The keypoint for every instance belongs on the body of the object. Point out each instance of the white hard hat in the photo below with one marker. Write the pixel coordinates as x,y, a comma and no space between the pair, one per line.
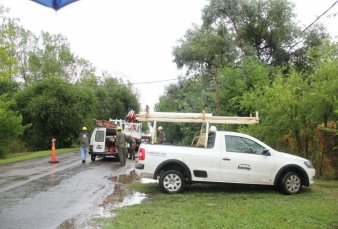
213,129
160,128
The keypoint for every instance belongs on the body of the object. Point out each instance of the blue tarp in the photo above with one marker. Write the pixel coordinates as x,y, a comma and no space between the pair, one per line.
55,4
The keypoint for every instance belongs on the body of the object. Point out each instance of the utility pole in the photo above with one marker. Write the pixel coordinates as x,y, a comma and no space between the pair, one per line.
218,96
217,64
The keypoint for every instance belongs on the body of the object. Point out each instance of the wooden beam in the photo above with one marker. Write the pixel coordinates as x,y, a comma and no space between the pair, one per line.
195,118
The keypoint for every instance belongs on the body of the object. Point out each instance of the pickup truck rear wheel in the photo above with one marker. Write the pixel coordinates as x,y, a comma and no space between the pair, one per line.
172,182
92,157
291,183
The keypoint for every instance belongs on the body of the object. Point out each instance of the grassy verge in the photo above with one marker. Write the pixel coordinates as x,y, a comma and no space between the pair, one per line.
226,206
30,155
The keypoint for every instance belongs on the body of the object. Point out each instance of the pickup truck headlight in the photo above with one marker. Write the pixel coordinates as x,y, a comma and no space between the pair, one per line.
308,164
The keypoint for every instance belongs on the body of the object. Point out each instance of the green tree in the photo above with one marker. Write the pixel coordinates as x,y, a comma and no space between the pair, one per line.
54,58
115,98
24,43
60,92
7,62
203,48
235,82
299,58
10,121
54,108
11,127
234,31
324,82
295,104
19,43
267,27
190,95
186,96
283,110
41,56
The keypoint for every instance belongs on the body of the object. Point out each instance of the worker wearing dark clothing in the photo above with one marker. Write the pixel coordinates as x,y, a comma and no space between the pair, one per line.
161,135
121,145
132,145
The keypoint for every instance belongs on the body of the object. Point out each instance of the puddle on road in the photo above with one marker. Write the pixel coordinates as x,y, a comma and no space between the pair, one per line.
132,199
120,198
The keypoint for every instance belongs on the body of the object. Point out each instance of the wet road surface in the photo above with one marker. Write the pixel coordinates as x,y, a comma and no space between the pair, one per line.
38,194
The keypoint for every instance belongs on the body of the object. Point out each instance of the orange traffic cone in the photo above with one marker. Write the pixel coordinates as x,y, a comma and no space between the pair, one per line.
53,152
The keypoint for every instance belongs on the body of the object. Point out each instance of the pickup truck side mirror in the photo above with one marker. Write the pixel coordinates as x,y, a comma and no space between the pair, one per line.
266,152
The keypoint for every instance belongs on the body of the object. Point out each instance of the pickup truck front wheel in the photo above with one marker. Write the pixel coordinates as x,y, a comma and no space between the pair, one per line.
291,183
172,182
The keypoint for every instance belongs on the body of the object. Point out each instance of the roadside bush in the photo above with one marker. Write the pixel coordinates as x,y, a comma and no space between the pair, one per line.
53,108
11,127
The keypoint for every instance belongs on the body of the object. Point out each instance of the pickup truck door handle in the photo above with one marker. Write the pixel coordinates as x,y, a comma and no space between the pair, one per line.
226,159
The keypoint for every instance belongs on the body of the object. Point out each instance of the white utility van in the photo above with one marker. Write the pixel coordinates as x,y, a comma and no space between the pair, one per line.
102,141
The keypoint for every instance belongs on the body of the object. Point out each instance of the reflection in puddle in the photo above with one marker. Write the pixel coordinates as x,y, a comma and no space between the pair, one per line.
102,211
131,199
120,198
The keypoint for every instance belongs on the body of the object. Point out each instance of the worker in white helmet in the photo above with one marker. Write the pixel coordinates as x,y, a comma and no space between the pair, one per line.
161,135
211,136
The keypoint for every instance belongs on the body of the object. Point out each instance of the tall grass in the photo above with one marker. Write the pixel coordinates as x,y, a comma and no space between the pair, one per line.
230,206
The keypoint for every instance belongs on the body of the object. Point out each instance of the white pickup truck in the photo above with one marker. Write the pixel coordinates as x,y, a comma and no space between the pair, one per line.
228,157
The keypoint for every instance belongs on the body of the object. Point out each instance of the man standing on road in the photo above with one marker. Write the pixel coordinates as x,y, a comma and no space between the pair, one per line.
84,140
121,145
132,145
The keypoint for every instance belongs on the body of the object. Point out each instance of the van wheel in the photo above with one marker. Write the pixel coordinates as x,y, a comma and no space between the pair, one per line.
172,182
291,183
93,158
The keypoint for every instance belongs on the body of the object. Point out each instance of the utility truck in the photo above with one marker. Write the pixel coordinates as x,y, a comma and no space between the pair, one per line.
219,157
102,141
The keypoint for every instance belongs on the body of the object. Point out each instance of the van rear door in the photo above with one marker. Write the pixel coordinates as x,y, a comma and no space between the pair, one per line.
98,140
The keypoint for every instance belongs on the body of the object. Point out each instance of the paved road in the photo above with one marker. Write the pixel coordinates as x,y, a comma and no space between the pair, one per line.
37,194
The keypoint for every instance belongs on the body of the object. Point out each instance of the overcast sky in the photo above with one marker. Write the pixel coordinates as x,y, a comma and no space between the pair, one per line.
133,39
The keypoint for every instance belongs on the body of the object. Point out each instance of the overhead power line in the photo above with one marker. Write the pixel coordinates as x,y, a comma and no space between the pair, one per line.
312,23
157,81
123,84
325,12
